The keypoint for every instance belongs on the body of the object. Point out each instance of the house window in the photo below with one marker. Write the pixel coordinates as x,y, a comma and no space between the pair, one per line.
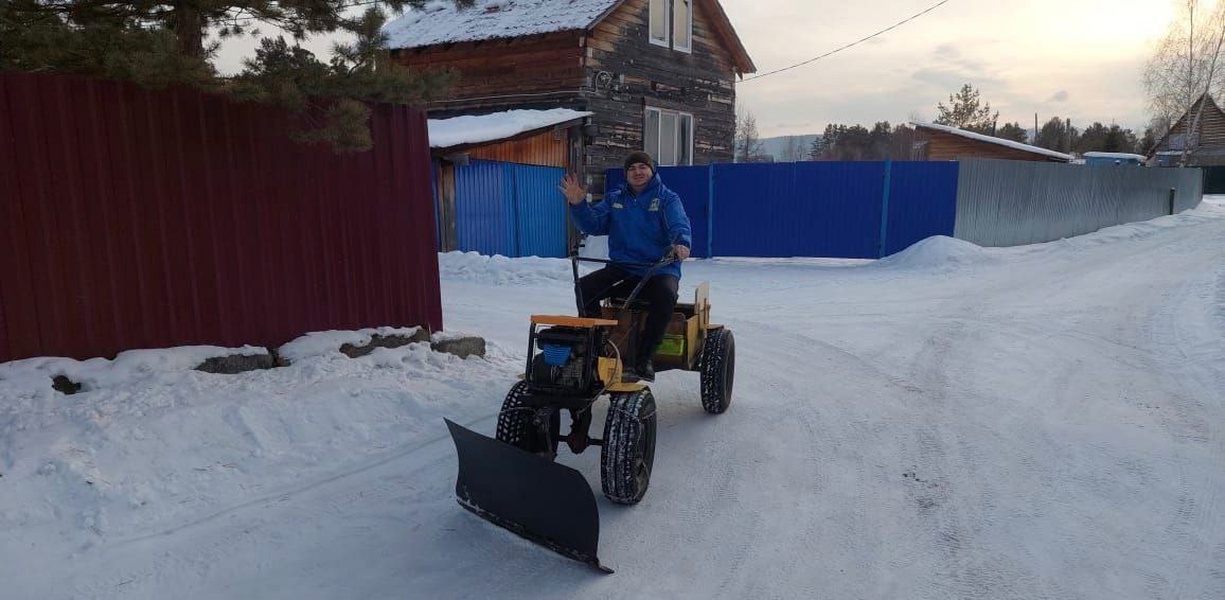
672,24
668,136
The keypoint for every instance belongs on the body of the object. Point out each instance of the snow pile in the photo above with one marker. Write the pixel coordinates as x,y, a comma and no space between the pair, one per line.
937,252
150,445
498,269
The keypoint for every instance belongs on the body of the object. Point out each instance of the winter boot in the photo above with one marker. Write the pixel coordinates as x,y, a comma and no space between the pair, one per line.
645,371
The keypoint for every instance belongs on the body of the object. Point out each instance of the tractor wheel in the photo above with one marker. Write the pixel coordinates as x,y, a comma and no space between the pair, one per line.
517,424
629,446
718,370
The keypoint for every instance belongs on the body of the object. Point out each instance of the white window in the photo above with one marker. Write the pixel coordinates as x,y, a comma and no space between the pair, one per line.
668,136
682,25
672,24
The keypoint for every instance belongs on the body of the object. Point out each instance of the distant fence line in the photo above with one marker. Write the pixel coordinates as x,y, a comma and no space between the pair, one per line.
873,209
1011,203
135,218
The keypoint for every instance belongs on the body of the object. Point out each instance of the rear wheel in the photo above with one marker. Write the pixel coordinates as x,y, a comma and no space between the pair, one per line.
629,446
718,370
518,426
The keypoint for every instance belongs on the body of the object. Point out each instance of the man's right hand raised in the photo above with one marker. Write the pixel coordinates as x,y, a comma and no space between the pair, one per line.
574,191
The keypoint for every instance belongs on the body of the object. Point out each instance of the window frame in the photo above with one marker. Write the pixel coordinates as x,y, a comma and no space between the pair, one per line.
669,26
682,148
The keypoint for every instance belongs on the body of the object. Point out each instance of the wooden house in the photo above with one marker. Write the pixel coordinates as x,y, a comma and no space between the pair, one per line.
657,75
1198,135
941,142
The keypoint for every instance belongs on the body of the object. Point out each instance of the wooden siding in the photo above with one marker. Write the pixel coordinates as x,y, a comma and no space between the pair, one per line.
549,149
540,70
948,146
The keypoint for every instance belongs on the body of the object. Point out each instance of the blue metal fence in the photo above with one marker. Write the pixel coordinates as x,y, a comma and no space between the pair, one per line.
509,209
827,209
918,203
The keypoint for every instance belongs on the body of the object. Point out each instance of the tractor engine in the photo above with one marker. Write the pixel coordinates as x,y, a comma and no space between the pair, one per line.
565,360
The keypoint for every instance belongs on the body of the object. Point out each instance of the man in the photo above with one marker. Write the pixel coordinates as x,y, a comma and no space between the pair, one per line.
645,223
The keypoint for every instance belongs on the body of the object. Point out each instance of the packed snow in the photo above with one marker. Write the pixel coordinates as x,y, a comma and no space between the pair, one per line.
953,421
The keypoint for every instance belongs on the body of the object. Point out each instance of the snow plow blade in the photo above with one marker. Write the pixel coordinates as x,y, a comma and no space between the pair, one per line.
538,499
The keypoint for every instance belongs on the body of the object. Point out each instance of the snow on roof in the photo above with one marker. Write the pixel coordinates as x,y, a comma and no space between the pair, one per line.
1121,155
994,140
440,22
457,131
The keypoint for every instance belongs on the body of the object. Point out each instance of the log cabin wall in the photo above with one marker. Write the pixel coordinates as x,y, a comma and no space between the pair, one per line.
627,74
541,71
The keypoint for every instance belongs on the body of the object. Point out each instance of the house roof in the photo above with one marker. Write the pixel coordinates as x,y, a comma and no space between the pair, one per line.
1096,154
994,140
441,22
471,130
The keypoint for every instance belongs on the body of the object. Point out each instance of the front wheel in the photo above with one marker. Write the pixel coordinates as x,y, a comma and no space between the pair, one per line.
518,424
718,370
629,446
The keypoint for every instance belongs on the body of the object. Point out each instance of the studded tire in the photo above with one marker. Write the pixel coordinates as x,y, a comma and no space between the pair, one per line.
628,454
517,426
718,370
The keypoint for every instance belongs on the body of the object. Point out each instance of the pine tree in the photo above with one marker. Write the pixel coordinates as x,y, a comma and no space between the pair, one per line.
1012,131
967,111
159,44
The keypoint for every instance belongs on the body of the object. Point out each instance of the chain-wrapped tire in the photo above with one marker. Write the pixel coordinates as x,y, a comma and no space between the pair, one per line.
628,454
718,370
517,424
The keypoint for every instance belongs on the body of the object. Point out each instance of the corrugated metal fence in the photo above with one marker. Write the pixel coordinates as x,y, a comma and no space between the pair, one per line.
510,209
832,209
1010,203
144,219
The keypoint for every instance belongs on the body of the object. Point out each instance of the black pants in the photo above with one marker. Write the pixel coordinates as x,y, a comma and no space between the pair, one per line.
659,292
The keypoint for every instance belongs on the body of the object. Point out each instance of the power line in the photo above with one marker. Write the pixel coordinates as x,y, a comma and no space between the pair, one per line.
854,43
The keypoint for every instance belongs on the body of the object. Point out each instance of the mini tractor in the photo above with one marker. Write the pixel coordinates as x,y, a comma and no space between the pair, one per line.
514,480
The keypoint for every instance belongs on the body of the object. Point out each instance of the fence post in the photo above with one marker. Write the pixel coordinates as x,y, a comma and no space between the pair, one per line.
1173,194
710,211
884,210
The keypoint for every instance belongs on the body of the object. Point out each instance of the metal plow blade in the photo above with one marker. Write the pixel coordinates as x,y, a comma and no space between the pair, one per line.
538,499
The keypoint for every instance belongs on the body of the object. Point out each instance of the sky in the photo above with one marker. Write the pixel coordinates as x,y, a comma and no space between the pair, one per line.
952,421
1077,59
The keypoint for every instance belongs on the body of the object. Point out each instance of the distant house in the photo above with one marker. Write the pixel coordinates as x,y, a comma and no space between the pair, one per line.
1199,135
657,75
941,142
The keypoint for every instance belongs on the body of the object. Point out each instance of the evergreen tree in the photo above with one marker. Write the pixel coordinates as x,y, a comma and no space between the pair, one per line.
967,111
1014,132
1099,138
1055,135
158,44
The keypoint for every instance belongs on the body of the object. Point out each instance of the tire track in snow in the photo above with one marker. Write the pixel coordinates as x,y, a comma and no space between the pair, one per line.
1193,356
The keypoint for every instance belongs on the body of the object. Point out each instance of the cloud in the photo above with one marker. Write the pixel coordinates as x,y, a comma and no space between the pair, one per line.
1060,96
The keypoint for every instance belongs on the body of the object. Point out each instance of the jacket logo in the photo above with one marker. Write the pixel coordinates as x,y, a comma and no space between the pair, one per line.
654,205
618,205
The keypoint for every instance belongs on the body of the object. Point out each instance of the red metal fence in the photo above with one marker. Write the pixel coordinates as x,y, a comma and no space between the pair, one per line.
134,218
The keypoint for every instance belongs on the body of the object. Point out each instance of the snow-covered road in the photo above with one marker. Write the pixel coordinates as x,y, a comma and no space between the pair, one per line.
952,422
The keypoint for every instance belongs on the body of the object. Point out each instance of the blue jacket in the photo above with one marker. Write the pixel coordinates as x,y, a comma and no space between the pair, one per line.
640,228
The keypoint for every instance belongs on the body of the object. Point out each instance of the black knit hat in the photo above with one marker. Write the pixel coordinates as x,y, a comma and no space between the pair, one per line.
640,157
